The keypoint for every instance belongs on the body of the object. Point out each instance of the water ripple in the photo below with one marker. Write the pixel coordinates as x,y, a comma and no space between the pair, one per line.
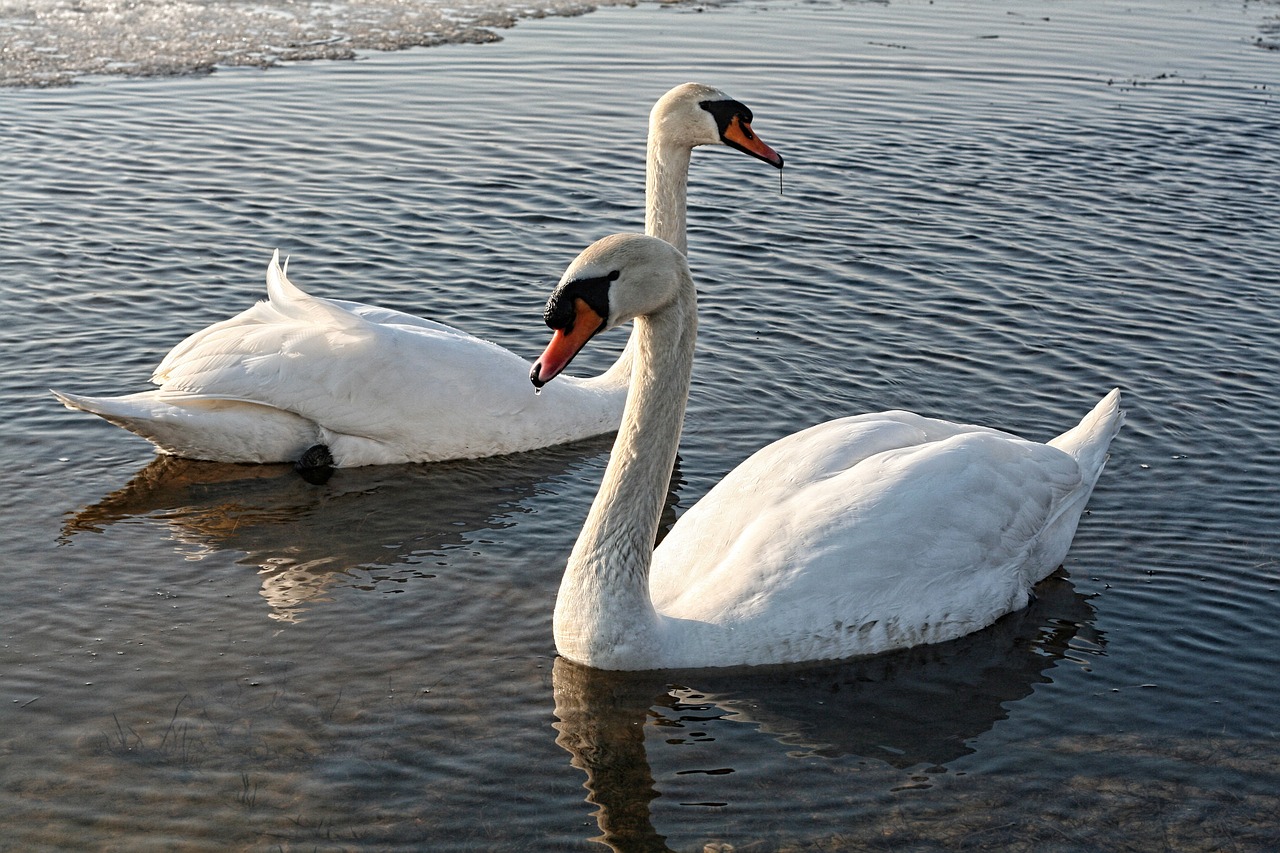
985,216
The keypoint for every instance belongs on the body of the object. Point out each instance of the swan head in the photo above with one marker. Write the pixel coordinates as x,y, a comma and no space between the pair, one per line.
613,281
694,114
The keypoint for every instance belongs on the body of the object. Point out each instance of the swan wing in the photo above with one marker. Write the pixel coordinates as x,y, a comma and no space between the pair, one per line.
381,386
289,323
912,523
391,317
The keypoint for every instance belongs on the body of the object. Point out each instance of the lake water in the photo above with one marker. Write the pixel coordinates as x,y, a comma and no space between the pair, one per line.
992,211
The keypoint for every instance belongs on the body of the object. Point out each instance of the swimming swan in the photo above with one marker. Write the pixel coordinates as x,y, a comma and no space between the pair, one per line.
855,536
377,386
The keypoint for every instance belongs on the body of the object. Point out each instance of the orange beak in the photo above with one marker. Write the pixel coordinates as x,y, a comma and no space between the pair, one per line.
566,343
740,135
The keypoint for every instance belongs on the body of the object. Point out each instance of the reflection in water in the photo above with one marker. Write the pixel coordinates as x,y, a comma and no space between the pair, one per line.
602,717
921,706
305,538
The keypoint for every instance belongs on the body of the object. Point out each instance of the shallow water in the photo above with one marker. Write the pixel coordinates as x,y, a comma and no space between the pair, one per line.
993,212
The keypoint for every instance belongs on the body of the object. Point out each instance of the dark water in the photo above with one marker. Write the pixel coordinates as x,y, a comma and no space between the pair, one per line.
993,212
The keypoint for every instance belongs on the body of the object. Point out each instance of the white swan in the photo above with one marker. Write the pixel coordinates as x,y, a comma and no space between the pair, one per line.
856,536
377,386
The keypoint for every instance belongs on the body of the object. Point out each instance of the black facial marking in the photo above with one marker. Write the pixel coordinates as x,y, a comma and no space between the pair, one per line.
724,113
560,311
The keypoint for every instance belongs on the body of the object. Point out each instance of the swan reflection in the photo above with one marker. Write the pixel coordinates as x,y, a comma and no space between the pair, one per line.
304,539
919,707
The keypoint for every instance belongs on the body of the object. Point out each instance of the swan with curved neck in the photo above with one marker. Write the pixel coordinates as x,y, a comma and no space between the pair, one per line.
855,536
369,385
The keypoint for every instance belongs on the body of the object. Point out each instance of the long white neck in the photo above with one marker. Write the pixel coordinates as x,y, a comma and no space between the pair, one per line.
666,190
603,616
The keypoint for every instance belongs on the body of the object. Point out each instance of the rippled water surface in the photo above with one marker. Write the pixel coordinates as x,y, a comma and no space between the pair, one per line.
993,212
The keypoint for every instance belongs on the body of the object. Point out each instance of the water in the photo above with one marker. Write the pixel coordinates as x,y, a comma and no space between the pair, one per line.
992,211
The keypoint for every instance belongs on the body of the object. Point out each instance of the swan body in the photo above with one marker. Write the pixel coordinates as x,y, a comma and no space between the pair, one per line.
327,370
377,386
856,536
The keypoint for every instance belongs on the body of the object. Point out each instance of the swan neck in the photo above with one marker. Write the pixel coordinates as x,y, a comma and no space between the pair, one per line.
666,191
618,376
604,616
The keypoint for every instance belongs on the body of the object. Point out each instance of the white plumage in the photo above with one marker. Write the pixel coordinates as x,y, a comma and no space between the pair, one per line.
855,536
374,385
378,386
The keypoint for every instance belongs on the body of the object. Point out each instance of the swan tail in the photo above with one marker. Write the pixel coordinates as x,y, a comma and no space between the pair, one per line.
1087,443
107,408
141,414
1088,440
195,427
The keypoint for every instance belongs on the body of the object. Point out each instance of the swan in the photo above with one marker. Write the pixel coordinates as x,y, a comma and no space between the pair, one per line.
856,536
366,385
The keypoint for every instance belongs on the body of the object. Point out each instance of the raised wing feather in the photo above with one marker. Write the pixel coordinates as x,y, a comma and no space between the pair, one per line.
338,363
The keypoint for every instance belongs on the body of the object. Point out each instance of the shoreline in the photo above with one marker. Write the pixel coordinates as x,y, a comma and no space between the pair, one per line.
72,44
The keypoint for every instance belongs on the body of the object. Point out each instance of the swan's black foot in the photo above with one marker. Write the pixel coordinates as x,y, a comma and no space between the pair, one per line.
315,465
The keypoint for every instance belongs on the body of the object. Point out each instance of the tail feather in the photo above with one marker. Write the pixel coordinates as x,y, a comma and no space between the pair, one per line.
279,289
113,409
1088,440
204,428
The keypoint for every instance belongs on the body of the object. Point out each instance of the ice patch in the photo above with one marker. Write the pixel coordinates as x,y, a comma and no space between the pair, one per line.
52,42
